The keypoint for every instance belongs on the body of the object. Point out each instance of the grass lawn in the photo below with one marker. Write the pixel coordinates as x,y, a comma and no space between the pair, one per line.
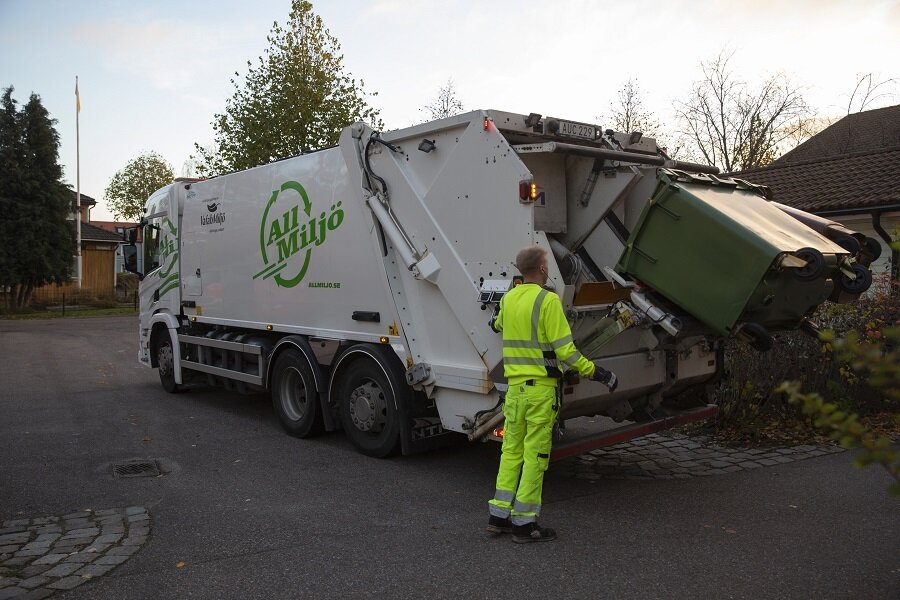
75,312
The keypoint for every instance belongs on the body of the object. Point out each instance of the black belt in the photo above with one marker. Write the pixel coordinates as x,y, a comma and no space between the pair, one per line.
531,382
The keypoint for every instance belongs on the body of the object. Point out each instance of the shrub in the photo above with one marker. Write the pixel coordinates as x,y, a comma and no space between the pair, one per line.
127,282
126,286
747,395
100,302
879,363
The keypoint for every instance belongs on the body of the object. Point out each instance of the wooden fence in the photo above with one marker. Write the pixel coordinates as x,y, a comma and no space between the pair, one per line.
98,279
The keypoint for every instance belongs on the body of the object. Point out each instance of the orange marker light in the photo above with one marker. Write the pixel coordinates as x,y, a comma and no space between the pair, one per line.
534,191
384,339
498,432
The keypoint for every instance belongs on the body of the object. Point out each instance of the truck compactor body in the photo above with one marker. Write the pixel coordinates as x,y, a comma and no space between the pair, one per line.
356,283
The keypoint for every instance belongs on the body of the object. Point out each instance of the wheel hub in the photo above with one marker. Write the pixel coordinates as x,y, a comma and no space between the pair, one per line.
293,394
367,407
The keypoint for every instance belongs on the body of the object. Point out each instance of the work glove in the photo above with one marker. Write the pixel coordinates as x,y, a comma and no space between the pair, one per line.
607,378
494,318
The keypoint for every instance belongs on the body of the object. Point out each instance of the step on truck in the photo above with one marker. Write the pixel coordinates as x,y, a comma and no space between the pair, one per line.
356,283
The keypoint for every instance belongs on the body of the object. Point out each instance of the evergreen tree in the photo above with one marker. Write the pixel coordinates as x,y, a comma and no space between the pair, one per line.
10,189
296,99
36,240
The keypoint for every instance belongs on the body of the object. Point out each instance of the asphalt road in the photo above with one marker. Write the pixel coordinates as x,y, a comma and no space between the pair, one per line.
254,513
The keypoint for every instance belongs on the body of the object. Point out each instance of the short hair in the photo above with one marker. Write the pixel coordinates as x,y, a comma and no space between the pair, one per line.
529,259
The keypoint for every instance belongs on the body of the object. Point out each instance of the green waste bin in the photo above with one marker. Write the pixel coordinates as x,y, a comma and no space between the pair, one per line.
716,248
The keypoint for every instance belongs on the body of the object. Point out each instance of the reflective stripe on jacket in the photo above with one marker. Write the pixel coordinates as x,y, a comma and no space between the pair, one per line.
537,340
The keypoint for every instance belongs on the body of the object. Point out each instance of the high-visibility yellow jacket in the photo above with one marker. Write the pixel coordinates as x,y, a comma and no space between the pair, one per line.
537,340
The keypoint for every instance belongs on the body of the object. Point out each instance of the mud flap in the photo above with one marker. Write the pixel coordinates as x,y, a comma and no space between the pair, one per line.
421,428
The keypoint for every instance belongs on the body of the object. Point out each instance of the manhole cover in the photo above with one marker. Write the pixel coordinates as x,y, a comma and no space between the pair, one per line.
143,468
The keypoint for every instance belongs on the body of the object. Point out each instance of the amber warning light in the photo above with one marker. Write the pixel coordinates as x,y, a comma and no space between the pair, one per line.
528,191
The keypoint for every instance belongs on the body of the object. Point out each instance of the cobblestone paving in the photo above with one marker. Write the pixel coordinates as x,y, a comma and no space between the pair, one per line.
677,456
41,556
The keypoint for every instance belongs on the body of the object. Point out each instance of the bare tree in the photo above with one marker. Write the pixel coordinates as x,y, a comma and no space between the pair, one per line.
446,104
628,114
735,127
869,91
802,129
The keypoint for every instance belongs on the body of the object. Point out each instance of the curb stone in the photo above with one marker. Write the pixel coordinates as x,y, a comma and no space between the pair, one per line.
41,556
675,456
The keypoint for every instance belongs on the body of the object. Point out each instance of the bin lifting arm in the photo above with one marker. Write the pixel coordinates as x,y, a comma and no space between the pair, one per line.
423,265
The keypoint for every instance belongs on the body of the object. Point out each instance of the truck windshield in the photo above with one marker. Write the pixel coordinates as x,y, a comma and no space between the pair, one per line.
151,246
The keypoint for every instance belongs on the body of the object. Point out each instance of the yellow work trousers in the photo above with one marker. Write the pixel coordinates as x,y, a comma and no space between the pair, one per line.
530,413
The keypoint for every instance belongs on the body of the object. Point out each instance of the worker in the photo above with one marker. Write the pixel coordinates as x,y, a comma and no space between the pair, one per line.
537,348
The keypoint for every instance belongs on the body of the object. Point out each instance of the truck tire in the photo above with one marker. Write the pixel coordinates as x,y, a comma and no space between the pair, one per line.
165,360
294,395
368,409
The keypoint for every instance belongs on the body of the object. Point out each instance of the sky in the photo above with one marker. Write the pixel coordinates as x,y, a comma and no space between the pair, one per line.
152,75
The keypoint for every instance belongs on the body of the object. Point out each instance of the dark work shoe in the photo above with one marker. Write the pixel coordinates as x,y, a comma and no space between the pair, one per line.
498,525
525,534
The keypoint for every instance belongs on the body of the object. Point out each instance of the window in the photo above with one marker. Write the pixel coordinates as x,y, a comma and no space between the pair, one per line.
151,246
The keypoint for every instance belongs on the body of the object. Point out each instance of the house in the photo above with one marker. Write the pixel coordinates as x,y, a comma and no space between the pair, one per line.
849,173
119,228
98,260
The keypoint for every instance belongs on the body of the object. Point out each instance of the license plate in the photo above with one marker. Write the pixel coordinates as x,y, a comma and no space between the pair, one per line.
577,130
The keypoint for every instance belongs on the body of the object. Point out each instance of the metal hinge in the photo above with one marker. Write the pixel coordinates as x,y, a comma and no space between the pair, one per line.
418,373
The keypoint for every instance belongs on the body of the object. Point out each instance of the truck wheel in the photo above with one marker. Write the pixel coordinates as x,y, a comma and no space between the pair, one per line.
165,358
368,409
294,395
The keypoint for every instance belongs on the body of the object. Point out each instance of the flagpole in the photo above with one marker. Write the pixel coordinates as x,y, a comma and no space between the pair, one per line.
78,182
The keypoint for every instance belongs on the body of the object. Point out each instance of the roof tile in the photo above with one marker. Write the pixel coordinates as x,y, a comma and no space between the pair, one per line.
854,164
91,233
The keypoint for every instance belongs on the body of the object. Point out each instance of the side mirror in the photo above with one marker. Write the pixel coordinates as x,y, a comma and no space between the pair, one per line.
130,252
131,235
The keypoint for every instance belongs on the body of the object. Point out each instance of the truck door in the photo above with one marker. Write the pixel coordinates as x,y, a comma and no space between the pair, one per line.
192,280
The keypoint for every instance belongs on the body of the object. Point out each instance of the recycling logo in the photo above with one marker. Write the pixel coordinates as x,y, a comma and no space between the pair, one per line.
289,231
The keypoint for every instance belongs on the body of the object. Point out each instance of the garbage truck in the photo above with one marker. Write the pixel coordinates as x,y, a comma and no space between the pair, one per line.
356,283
